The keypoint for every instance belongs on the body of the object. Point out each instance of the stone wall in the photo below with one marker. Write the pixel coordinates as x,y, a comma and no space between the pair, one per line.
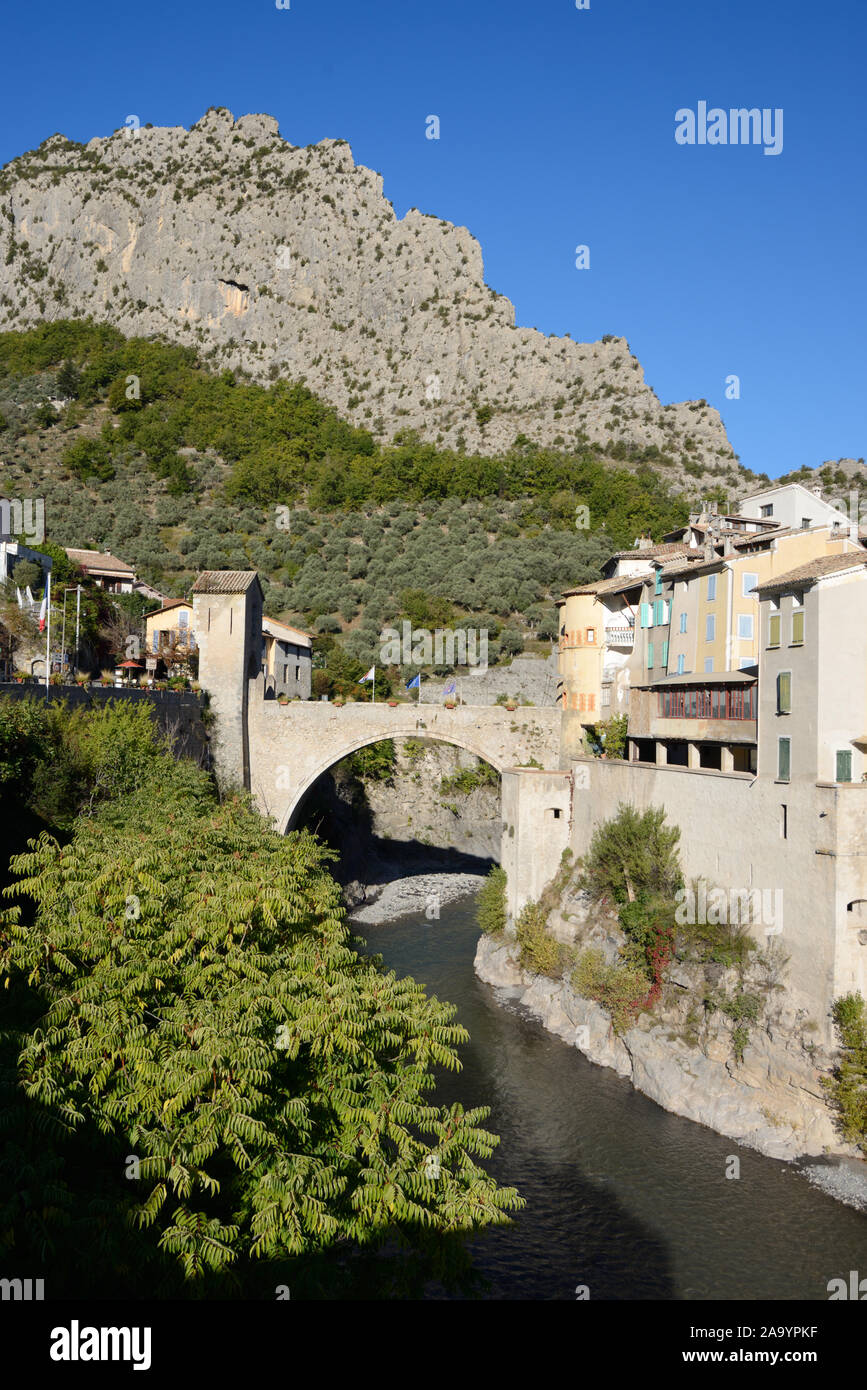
178,712
531,678
732,834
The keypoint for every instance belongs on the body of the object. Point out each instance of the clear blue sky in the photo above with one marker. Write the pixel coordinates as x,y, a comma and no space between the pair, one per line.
557,128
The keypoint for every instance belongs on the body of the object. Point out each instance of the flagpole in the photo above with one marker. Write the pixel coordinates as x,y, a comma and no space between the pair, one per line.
373,684
48,630
419,687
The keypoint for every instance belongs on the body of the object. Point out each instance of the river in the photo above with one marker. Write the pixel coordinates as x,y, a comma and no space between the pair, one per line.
622,1197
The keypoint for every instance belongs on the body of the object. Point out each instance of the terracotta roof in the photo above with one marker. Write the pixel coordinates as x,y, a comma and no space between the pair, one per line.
169,603
293,633
600,587
225,581
691,564
99,560
648,551
808,573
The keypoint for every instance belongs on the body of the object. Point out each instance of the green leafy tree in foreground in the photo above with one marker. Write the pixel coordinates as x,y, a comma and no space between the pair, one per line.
195,1000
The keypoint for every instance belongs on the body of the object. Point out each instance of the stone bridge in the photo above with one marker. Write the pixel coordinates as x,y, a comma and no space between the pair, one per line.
278,751
290,746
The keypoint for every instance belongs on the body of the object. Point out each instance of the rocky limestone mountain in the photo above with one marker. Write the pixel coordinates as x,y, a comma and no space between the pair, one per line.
289,261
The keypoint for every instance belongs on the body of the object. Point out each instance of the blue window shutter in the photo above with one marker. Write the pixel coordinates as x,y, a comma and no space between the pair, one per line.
665,656
683,622
658,588
650,656
645,615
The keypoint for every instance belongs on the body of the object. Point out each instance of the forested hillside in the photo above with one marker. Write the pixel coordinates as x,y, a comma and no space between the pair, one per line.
149,455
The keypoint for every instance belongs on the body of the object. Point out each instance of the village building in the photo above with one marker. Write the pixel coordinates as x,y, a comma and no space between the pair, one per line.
287,659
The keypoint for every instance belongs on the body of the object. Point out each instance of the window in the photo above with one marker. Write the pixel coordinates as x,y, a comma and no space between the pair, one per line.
658,585
767,509
748,582
155,641
646,615
591,634
784,692
784,821
746,661
183,618
806,523
745,627
708,664
798,627
710,628
606,695
711,588
844,765
774,623
650,656
665,656
784,759
681,664
683,622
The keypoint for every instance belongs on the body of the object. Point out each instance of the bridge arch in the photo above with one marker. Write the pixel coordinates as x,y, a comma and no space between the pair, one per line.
291,746
290,815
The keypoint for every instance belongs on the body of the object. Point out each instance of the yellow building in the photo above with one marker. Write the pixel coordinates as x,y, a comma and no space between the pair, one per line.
170,628
714,611
597,634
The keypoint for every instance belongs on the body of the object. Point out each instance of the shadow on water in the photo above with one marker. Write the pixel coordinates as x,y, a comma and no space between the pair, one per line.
622,1196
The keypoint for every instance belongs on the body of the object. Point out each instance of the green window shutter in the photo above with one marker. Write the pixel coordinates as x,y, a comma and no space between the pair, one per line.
784,692
665,656
844,765
784,760
774,630
658,612
646,620
658,587
797,629
650,656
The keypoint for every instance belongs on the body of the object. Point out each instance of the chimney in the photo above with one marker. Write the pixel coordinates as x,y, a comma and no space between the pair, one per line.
728,545
708,547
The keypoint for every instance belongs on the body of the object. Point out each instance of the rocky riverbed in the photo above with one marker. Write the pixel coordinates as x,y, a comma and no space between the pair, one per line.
426,892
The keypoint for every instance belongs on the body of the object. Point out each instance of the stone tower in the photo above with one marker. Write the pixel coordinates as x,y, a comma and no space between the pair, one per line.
227,621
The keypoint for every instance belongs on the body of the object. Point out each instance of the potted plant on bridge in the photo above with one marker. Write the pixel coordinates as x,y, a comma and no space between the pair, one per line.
392,702
338,702
283,699
451,702
510,705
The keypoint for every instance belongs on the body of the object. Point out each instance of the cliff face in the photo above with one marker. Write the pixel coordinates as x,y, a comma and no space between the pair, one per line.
289,261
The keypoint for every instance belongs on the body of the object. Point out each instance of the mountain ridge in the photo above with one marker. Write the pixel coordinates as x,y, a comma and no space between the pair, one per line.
288,261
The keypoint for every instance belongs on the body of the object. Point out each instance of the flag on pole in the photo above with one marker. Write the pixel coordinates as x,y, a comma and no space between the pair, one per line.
368,677
416,681
43,610
451,688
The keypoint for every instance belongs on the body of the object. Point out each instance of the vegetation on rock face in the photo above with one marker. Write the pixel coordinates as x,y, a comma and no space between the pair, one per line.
201,1078
540,952
491,903
848,1087
632,855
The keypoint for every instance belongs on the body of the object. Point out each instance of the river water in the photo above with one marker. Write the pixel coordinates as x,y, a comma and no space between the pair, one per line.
621,1196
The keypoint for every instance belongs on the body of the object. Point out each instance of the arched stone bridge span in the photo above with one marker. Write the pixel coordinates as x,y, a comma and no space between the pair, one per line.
290,746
